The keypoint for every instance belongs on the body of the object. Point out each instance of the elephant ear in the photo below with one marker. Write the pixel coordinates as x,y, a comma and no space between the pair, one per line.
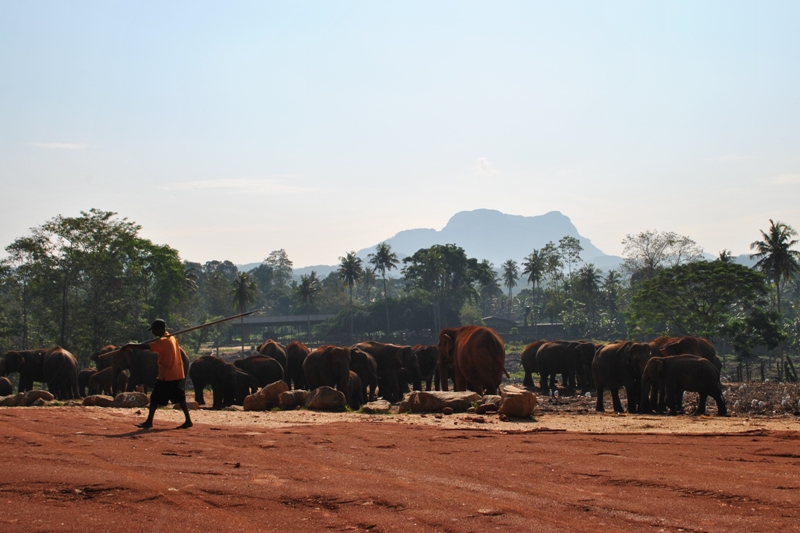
445,346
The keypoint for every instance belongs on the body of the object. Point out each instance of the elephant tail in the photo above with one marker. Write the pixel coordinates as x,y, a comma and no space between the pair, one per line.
506,373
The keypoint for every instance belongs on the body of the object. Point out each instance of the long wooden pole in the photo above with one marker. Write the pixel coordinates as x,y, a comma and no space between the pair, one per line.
193,328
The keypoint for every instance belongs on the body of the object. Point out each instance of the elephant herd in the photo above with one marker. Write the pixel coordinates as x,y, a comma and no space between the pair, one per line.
473,356
654,375
360,372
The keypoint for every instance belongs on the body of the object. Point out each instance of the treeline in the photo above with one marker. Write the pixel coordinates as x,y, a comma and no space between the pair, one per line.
83,282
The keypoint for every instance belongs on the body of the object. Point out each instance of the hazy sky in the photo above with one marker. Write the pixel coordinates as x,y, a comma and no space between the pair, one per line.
231,129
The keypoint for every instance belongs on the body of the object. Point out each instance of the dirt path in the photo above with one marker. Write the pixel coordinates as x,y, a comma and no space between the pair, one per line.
87,469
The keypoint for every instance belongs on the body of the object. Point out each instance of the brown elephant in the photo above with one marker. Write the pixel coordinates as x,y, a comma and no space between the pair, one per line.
100,361
672,375
356,392
273,349
478,356
616,365
528,362
5,386
102,382
390,360
217,373
568,358
329,366
428,359
265,369
56,367
296,353
666,346
366,367
83,380
141,365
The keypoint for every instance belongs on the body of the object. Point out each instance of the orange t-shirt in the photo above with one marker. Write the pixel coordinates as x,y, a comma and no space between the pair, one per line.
170,365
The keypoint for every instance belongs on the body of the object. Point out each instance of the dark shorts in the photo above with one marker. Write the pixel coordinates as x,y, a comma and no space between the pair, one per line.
168,391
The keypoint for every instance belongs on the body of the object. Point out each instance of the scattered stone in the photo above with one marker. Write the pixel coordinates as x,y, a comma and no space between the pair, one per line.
435,401
8,401
98,400
131,399
447,411
517,402
326,399
438,416
471,410
292,399
503,418
38,402
266,398
378,406
32,395
478,419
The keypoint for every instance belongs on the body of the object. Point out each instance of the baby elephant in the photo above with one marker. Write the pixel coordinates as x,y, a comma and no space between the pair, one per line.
671,375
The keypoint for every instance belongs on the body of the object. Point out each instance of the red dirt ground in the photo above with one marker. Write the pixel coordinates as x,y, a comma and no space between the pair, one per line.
77,469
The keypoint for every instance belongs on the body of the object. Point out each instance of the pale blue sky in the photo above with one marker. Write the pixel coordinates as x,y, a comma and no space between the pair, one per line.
228,130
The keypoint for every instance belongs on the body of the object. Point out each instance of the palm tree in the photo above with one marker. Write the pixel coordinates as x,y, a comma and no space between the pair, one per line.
350,272
510,275
534,266
776,260
588,282
384,259
244,292
306,294
368,279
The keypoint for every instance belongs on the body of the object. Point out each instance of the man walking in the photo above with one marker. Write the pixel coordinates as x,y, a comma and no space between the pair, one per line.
169,383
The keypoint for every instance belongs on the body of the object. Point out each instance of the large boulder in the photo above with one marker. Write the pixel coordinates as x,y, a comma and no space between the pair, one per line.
131,399
517,402
291,399
32,395
326,399
266,398
378,406
98,400
435,401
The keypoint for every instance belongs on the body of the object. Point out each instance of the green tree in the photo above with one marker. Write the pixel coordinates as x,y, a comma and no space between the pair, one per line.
350,273
695,299
82,282
587,288
510,275
776,259
244,291
534,267
306,294
384,259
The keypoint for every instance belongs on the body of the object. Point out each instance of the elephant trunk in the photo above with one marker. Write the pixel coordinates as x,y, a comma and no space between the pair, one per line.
443,371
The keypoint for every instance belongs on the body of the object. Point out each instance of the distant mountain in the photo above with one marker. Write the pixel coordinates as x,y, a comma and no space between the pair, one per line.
496,236
484,234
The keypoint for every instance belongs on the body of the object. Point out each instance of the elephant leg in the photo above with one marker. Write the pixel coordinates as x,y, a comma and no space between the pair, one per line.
599,407
528,380
633,399
722,409
428,384
460,383
542,380
199,397
671,401
701,405
615,400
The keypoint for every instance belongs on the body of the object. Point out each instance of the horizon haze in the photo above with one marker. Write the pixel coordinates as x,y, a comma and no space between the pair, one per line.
228,131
